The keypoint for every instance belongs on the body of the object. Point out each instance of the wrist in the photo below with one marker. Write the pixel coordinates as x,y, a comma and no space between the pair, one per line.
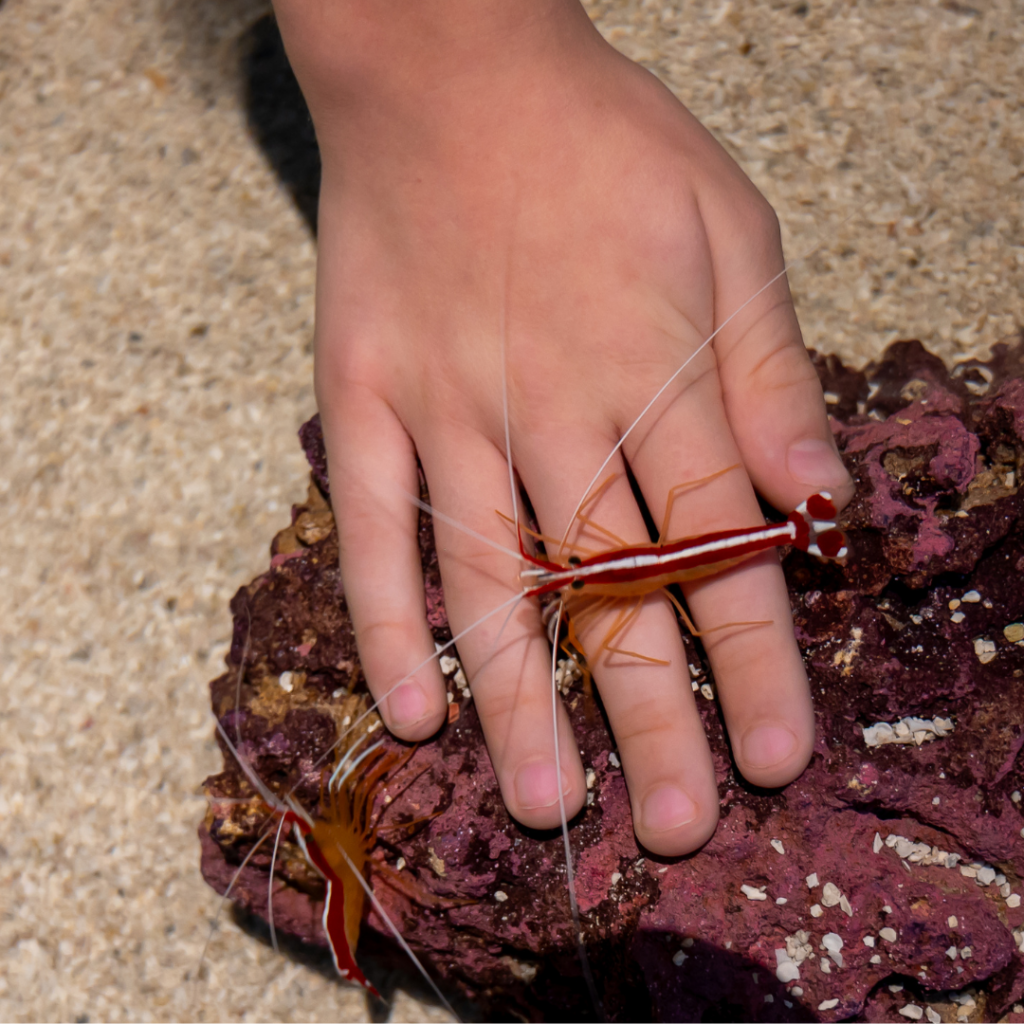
428,65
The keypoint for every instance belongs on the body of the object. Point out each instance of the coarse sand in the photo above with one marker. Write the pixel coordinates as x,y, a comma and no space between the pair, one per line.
156,308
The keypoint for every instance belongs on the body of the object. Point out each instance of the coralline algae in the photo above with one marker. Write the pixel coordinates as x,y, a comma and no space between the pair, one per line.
883,884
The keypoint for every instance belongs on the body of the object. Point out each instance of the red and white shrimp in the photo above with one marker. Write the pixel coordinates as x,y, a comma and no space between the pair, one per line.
336,843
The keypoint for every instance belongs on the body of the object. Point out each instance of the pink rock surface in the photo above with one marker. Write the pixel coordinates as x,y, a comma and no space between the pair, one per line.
937,515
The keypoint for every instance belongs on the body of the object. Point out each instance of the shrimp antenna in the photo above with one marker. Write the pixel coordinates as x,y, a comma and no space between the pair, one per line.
504,410
223,899
514,599
581,947
451,521
270,886
693,355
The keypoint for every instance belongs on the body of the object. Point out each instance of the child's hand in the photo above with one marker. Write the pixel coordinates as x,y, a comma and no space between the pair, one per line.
495,169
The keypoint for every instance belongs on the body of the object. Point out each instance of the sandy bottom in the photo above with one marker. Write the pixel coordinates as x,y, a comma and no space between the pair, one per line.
156,304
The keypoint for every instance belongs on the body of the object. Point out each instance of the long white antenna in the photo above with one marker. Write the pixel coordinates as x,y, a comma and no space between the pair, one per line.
693,355
581,946
382,913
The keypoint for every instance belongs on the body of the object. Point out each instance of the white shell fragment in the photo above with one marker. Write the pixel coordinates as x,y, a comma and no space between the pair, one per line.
777,846
787,971
908,731
830,895
985,649
812,881
752,894
816,910
501,896
889,934
912,1010
828,1004
1013,901
286,680
922,853
971,597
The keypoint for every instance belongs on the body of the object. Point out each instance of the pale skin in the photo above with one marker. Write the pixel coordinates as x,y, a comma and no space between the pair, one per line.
493,168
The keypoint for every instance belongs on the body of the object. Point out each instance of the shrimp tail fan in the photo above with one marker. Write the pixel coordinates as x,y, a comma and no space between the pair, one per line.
816,531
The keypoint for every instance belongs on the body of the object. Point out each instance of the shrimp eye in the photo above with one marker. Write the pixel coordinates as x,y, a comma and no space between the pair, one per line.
577,584
574,560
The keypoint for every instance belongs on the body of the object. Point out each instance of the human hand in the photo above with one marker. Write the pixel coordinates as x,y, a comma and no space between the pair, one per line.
497,179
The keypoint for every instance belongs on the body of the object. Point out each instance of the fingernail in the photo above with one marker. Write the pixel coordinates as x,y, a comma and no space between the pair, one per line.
537,785
665,808
407,706
814,462
767,745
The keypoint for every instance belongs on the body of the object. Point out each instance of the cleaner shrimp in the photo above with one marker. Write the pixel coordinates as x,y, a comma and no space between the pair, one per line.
335,843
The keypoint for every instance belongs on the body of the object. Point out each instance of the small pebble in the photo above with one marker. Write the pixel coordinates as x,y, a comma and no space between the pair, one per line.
816,910
971,597
828,1004
887,909
688,942
797,991
954,604
781,901
613,760
769,998
876,959
616,877
912,1010
400,864
751,893
895,988
965,953
830,895
1013,901
932,1016
787,971
826,967
869,941
951,952
706,692
986,876
678,957
985,649
889,934
286,680
936,801
812,880
957,617
777,846
952,921
1014,632
501,896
